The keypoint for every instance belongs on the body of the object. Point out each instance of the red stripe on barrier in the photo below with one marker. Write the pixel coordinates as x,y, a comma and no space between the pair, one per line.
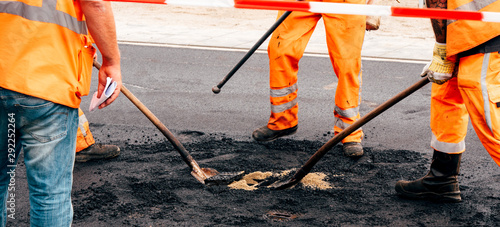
272,5
436,14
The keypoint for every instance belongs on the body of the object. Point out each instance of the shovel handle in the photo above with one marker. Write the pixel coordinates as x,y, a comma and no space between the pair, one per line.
164,130
306,168
216,88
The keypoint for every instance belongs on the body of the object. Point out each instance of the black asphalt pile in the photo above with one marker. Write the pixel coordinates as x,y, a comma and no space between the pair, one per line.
149,184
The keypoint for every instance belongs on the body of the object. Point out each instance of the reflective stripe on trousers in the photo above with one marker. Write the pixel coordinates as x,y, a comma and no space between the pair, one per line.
84,137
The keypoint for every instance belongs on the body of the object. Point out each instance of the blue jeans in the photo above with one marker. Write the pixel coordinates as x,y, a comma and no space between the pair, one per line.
46,132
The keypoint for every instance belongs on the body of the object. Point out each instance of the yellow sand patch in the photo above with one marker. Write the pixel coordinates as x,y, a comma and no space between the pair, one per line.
316,181
242,184
250,181
285,172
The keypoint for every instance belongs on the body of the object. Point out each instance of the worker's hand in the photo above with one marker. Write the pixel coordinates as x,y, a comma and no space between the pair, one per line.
372,23
439,70
101,25
109,69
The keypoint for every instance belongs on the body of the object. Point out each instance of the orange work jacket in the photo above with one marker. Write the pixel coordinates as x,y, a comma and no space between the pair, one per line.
45,50
459,38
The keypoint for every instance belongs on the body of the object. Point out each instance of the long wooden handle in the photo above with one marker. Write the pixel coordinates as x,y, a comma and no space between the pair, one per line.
164,130
306,168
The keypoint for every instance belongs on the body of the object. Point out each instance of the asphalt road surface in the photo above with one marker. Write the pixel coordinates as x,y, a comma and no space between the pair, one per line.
175,84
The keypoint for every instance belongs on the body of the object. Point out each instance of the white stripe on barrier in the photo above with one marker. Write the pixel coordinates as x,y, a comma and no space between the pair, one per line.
491,17
352,9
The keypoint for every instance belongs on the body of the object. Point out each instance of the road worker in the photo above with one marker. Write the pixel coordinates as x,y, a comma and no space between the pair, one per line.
86,148
465,70
45,66
345,34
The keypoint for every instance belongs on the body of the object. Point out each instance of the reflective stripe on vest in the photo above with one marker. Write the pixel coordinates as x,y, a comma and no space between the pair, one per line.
46,13
475,5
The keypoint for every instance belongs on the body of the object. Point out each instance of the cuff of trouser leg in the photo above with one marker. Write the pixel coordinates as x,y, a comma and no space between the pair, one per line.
85,144
351,140
356,136
447,147
447,152
279,127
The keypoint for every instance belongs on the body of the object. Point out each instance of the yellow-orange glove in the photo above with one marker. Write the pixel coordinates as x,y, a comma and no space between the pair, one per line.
439,70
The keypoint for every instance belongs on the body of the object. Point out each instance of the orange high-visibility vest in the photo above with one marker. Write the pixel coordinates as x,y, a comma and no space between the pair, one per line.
458,31
45,50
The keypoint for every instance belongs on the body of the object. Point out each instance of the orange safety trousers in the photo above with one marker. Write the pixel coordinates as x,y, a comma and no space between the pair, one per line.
84,137
474,93
344,37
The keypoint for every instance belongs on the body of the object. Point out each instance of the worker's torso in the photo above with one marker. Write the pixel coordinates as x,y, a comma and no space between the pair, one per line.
45,50
463,35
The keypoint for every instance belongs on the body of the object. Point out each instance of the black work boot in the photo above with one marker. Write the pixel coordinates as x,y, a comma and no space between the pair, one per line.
266,134
439,184
352,149
97,151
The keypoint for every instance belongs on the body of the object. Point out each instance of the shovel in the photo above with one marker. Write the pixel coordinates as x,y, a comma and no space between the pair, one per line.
203,175
306,168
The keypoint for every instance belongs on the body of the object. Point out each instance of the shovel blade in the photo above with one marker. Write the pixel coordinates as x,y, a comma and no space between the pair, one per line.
209,172
280,185
201,174
211,176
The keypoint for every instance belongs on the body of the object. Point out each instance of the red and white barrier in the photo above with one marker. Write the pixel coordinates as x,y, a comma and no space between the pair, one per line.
335,8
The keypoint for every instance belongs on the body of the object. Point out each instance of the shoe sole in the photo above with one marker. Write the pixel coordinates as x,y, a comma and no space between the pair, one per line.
354,155
86,159
435,197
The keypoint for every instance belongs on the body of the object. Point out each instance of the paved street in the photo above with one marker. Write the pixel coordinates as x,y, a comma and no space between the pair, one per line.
172,70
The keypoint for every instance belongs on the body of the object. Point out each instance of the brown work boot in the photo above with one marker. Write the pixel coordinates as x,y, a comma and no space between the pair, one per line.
97,151
440,183
266,134
352,149
372,23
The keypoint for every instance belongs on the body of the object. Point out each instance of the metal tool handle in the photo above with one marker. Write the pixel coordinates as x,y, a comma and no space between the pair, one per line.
164,130
216,88
306,168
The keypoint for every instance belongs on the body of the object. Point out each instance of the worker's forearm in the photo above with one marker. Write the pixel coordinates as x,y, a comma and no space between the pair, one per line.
439,26
101,25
